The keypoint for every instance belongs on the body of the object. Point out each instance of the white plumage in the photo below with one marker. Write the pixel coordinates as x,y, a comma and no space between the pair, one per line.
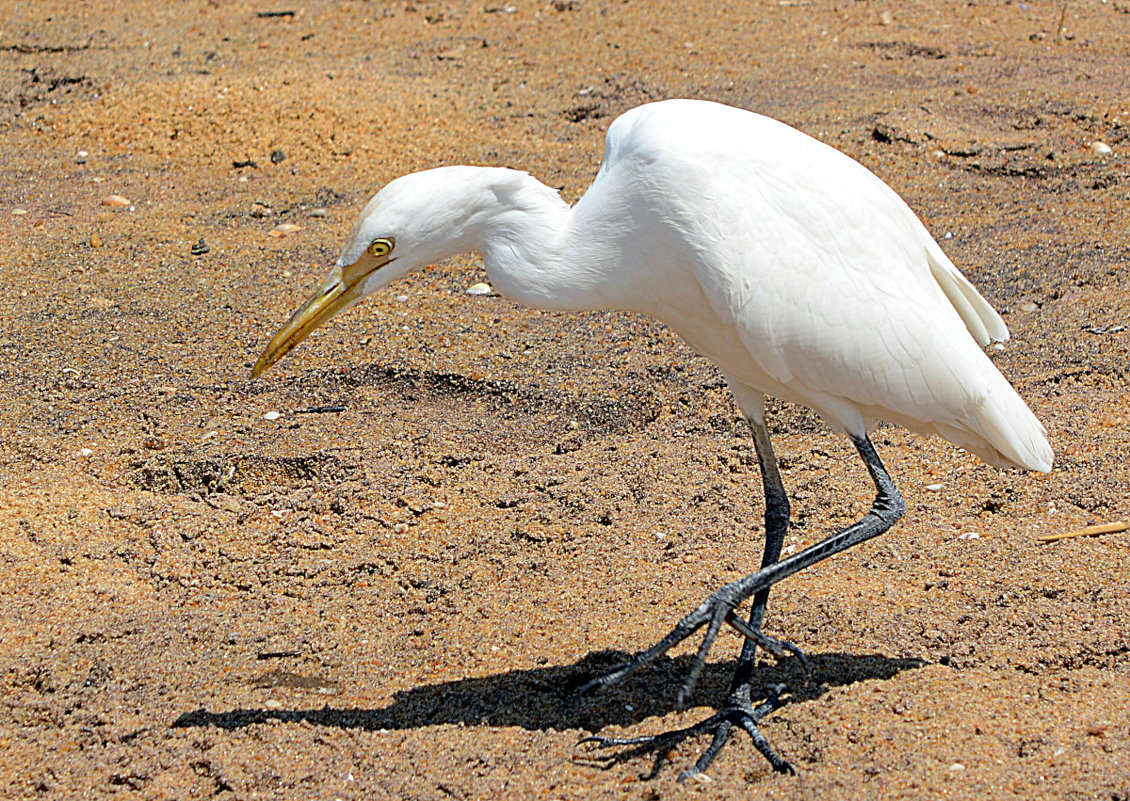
803,276
792,267
786,263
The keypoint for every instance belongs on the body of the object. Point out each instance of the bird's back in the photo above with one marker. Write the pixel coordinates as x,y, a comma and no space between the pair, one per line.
804,276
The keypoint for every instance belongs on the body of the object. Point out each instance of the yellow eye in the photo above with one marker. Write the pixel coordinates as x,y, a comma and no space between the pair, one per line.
381,247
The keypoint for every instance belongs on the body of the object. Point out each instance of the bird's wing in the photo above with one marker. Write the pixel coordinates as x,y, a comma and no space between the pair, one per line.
838,294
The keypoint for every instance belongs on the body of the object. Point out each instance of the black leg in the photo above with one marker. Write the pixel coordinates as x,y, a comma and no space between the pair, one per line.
887,508
738,709
776,527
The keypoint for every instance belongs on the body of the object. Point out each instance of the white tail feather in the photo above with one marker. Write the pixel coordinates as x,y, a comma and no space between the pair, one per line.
1003,432
979,317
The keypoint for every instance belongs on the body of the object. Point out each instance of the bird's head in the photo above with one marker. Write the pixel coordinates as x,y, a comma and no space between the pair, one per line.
414,221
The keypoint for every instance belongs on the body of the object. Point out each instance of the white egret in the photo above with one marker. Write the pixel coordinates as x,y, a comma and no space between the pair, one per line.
790,266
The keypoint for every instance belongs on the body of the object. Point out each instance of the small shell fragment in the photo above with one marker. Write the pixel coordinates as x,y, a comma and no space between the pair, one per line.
114,200
284,229
272,415
1101,148
481,288
934,487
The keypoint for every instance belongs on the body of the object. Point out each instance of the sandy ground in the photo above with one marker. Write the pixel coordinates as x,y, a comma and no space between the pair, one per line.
395,600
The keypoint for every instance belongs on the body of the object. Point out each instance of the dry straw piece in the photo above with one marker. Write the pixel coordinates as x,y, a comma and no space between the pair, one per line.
1089,531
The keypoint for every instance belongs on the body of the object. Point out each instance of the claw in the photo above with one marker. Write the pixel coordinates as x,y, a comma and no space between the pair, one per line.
776,647
687,690
683,629
610,742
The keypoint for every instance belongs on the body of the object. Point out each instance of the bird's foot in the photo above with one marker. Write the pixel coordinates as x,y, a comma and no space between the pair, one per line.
712,613
737,712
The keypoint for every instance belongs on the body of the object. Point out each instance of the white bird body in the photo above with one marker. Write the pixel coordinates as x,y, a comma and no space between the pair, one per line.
788,264
792,267
803,276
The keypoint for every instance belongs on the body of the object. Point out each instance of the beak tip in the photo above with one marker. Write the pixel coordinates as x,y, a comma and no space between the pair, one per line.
260,366
331,298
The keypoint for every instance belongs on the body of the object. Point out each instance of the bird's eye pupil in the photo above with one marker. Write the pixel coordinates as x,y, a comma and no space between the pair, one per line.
381,247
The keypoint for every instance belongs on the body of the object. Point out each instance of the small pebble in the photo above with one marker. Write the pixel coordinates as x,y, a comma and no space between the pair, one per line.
318,212
957,767
95,241
1028,306
969,535
933,487
1101,148
480,288
271,703
998,346
114,200
885,18
19,212
272,415
400,528
223,502
200,248
85,452
278,513
80,157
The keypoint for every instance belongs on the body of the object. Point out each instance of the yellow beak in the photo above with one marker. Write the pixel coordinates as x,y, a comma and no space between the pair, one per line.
340,289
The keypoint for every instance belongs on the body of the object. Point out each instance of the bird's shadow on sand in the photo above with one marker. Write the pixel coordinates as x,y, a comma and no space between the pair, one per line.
545,698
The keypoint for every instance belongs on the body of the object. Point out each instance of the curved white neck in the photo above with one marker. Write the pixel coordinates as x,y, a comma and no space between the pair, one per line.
540,252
